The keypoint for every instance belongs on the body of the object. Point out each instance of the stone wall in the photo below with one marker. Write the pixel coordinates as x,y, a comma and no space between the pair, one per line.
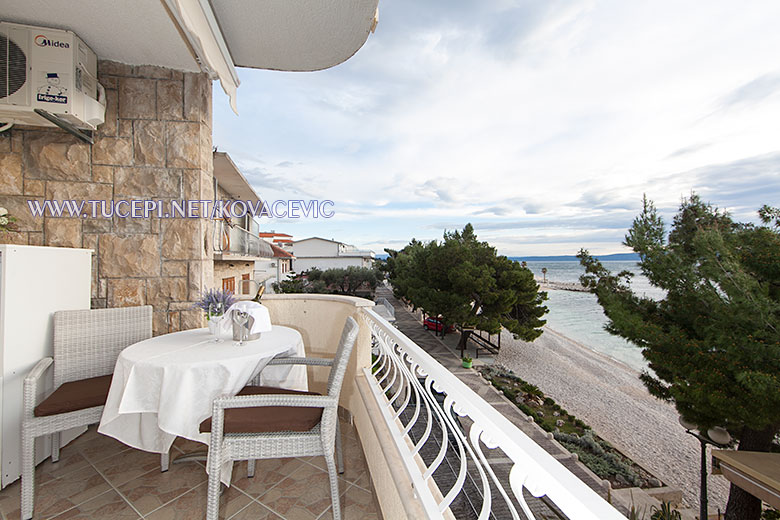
155,143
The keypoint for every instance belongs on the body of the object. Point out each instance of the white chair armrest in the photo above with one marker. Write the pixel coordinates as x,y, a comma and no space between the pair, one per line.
31,385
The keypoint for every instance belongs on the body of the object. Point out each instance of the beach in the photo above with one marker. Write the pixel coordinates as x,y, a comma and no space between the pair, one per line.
609,396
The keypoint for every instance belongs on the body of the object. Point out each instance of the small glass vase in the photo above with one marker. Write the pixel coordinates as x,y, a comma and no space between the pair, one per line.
214,326
214,316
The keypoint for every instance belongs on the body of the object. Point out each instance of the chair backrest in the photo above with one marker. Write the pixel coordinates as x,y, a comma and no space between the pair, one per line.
87,342
341,359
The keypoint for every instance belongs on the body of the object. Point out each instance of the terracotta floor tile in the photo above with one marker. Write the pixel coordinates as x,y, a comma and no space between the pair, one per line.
95,446
55,496
155,489
255,512
187,446
70,460
305,494
192,505
268,473
354,461
127,465
108,505
356,504
348,430
293,488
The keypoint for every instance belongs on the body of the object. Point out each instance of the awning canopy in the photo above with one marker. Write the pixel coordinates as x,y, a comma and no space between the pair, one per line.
758,473
190,35
230,178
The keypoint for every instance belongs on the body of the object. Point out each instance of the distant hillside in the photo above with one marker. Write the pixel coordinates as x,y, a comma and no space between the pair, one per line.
618,257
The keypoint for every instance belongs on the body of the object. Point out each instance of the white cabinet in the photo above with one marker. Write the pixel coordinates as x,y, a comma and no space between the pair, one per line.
34,283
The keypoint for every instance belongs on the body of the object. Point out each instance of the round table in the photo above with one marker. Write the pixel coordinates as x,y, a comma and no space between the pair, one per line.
163,387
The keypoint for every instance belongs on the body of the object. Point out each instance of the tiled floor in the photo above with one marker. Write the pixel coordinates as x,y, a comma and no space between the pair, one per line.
98,477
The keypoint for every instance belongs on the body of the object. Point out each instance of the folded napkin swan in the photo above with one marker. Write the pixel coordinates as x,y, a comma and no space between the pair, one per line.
261,319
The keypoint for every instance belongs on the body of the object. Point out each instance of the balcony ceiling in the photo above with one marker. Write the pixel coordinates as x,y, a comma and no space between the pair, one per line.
230,178
291,35
138,33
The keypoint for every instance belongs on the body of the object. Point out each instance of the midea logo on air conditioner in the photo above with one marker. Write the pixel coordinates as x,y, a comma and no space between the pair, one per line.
43,41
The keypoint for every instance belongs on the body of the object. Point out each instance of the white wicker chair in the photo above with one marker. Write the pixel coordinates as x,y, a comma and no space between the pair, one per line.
231,442
86,346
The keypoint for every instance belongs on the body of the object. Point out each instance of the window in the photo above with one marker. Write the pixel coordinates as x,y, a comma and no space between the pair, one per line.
229,284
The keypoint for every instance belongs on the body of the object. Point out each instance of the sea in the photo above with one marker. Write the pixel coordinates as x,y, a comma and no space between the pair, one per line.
578,315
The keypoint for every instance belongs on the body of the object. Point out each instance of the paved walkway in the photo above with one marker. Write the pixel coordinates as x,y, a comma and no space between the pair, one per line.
410,324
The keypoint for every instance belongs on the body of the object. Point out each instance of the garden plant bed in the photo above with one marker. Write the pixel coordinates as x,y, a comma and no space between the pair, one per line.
572,433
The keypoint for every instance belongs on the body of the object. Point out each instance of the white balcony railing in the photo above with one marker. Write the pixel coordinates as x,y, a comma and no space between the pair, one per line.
446,434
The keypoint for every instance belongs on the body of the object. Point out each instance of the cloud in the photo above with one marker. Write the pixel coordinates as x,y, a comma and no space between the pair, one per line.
752,92
686,150
443,188
529,119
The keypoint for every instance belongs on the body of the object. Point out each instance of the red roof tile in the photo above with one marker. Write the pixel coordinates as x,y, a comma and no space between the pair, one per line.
271,235
280,253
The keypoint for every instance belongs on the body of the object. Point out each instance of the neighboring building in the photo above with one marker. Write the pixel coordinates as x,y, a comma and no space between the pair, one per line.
269,271
328,254
237,248
282,240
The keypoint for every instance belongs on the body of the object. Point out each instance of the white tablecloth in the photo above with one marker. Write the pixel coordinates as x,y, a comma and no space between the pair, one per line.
163,387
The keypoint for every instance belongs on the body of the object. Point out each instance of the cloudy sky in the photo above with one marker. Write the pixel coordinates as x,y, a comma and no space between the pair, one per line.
540,122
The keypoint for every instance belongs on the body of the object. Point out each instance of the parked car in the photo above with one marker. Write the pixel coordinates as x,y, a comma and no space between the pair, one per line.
436,324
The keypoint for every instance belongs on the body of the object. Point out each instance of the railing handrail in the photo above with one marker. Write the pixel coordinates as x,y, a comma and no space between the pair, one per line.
390,309
535,469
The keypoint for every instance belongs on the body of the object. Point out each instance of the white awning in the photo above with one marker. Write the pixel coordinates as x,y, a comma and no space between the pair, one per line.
295,35
201,29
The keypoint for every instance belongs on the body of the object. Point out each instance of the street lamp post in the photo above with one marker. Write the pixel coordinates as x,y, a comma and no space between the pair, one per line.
716,436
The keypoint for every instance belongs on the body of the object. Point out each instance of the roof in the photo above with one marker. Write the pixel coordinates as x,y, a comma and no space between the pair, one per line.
211,36
317,238
230,178
758,473
270,235
346,250
280,253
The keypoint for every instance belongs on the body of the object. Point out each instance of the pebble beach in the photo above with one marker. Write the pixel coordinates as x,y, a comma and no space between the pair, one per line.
609,396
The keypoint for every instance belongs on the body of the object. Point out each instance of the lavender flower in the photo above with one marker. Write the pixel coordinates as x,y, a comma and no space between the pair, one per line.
215,299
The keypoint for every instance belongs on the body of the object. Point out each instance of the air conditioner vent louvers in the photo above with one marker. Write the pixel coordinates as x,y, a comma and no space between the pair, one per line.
13,67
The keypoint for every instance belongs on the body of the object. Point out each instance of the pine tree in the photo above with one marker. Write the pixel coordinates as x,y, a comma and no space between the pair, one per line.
713,341
467,283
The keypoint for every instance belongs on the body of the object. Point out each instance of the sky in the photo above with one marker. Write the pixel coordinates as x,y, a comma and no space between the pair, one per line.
541,123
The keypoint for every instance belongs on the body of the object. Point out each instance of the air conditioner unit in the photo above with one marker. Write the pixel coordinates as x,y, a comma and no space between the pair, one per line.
49,72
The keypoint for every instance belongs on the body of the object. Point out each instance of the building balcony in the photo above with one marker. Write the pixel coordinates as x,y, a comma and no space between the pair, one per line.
419,443
233,243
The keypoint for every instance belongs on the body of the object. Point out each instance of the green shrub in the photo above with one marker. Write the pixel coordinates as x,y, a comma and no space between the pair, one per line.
596,455
665,512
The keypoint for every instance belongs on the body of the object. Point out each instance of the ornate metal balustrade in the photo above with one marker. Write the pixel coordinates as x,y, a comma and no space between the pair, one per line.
451,439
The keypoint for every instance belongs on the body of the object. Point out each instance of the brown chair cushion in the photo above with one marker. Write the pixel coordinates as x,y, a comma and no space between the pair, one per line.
76,395
268,418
